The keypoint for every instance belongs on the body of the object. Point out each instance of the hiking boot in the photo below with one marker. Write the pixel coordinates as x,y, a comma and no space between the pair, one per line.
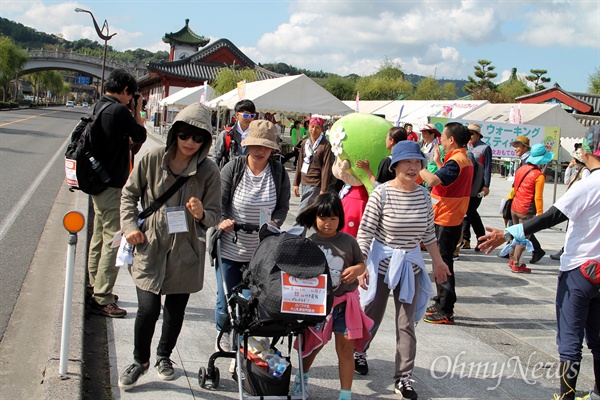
298,386
520,269
537,256
132,373
164,367
466,245
440,317
403,387
432,309
361,366
557,255
108,310
224,343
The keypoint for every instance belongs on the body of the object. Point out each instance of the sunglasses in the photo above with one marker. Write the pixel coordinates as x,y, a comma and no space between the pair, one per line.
196,137
246,116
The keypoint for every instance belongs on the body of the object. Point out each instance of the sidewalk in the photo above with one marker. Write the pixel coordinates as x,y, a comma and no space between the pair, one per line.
502,346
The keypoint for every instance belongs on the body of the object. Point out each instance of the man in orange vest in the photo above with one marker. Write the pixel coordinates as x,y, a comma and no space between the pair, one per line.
450,197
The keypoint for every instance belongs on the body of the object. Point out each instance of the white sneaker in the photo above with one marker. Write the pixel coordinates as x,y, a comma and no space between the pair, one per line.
225,342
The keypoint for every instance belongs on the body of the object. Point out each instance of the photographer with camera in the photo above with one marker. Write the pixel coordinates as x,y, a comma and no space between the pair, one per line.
116,131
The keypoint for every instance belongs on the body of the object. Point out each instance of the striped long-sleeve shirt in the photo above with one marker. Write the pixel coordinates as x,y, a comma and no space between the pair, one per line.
402,220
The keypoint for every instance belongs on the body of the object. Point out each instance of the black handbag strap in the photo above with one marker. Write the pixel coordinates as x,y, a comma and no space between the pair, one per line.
156,204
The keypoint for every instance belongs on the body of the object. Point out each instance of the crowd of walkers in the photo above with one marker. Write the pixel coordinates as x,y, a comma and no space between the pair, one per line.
423,199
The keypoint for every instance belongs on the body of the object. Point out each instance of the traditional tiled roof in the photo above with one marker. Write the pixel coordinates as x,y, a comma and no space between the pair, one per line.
556,92
201,71
185,36
195,69
592,99
218,45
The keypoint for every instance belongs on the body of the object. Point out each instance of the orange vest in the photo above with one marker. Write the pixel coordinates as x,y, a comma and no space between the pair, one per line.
450,202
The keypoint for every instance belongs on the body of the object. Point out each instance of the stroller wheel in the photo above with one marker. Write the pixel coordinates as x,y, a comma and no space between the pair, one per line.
216,377
202,377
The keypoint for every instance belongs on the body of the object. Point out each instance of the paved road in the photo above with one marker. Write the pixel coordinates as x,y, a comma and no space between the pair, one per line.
32,143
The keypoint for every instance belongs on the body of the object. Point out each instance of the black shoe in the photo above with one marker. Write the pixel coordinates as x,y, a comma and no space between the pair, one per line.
537,256
164,367
557,255
129,378
432,309
403,387
360,363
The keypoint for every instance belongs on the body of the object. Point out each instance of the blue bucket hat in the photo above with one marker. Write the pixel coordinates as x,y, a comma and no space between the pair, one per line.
406,150
539,155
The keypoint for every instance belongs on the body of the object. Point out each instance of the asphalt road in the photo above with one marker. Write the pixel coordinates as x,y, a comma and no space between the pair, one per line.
32,143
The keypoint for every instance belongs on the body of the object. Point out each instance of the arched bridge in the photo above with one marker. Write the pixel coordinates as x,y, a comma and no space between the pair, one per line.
40,60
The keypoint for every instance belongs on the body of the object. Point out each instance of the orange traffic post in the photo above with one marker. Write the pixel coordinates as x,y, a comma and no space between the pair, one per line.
73,221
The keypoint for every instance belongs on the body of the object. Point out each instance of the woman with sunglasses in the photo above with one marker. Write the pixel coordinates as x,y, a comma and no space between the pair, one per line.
168,258
255,190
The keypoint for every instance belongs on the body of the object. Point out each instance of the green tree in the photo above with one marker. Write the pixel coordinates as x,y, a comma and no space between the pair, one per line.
594,82
482,86
12,60
430,89
342,88
386,84
512,88
538,79
228,78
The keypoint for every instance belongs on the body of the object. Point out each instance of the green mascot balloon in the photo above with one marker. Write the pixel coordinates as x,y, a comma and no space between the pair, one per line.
360,137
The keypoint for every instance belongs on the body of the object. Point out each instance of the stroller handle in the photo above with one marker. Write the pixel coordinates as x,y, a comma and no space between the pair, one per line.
238,226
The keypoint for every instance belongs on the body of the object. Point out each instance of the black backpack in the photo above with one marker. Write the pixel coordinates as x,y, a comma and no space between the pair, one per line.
477,183
80,173
299,257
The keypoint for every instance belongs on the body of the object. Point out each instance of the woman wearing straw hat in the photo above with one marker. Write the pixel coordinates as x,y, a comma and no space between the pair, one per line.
255,189
529,197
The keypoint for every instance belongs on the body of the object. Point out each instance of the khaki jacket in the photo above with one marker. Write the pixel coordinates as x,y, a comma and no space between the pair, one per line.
172,263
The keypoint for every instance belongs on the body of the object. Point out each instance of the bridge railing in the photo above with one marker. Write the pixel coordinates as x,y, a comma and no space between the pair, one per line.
69,55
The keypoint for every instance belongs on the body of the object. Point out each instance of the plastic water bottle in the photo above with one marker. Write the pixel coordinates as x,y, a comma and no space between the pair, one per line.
277,366
98,169
480,194
279,371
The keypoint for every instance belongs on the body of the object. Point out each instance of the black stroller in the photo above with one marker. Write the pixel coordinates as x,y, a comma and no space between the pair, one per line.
261,313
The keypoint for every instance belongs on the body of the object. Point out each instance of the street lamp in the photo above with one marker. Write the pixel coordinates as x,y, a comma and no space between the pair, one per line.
102,36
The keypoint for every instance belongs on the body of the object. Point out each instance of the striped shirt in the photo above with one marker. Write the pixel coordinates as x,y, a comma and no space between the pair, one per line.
405,220
254,192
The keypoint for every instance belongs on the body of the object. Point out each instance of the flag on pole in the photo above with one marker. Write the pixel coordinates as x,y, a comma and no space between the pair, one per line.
203,95
519,114
399,116
511,115
241,87
357,100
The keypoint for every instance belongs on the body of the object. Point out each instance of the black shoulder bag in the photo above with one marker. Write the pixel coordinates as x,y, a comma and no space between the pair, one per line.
156,204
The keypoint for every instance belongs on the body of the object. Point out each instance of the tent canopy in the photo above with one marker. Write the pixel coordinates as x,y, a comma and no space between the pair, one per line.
288,95
187,96
417,111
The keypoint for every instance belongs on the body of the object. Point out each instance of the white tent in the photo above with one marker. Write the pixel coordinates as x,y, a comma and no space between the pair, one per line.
367,106
296,94
417,111
187,96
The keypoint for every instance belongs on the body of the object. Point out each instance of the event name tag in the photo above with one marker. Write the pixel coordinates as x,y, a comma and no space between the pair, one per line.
303,296
176,219
305,166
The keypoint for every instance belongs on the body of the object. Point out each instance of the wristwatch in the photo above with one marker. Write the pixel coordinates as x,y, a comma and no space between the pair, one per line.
508,237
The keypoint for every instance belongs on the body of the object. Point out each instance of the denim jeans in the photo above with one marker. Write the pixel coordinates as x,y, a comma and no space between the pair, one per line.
577,315
232,270
448,238
145,323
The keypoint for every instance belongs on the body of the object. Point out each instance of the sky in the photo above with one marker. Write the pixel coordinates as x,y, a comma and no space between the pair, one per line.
439,38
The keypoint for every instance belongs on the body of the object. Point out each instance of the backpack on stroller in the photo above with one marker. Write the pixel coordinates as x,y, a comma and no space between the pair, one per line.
290,290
